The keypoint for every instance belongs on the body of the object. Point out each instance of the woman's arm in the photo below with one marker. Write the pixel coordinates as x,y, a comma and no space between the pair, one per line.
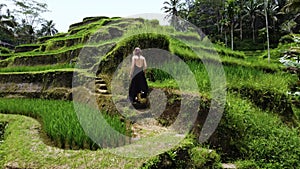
145,65
132,67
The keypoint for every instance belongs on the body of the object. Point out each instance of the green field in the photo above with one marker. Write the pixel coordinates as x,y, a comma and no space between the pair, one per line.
259,127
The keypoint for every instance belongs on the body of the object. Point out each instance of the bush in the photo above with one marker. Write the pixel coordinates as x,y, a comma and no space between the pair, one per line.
4,50
185,155
246,133
204,158
247,164
287,39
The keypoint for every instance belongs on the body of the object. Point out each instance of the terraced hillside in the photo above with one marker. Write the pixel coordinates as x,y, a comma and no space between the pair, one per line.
39,83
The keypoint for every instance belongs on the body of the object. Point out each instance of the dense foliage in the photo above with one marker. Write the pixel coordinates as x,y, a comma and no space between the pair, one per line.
60,121
239,20
24,23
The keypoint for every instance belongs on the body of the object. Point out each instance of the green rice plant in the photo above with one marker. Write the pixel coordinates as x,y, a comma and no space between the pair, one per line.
60,121
238,76
254,63
267,91
36,68
257,136
223,51
4,50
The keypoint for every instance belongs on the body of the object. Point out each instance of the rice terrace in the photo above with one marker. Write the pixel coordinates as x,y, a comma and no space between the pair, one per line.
214,100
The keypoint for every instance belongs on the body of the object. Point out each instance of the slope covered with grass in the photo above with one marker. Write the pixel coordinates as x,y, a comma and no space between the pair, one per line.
260,116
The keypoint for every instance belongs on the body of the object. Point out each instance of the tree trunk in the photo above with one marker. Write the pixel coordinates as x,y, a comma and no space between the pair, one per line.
241,29
267,30
253,29
241,21
226,41
231,36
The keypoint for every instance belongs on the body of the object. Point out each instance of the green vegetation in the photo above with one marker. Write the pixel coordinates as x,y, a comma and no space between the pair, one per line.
236,77
4,50
247,133
36,68
24,147
188,154
60,122
259,129
238,24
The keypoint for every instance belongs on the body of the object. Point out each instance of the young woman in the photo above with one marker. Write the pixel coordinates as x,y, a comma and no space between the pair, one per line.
137,75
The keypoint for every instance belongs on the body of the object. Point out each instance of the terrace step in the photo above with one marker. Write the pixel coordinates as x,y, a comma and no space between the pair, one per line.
99,81
101,86
102,91
228,166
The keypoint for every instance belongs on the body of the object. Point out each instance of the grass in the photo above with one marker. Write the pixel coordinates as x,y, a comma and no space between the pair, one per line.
61,123
236,76
23,148
239,76
258,136
35,68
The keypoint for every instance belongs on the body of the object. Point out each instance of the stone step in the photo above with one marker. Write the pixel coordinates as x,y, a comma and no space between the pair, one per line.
99,81
102,91
229,166
101,86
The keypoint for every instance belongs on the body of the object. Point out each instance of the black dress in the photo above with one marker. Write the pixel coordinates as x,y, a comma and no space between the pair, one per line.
138,84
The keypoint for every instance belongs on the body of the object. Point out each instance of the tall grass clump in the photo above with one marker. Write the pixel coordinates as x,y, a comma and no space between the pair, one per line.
36,68
4,50
162,77
247,133
238,76
60,121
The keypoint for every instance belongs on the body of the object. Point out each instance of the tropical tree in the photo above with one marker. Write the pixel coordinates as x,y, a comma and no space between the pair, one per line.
252,9
186,8
7,24
230,14
207,15
272,12
219,17
292,5
25,33
240,12
172,8
267,29
48,28
30,11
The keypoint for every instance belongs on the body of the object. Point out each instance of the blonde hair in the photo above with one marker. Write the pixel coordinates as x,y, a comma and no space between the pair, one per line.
137,51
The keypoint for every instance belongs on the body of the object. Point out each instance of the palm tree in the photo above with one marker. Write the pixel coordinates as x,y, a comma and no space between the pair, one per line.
240,12
172,9
7,24
186,8
48,28
230,12
252,9
25,33
292,5
270,12
267,29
